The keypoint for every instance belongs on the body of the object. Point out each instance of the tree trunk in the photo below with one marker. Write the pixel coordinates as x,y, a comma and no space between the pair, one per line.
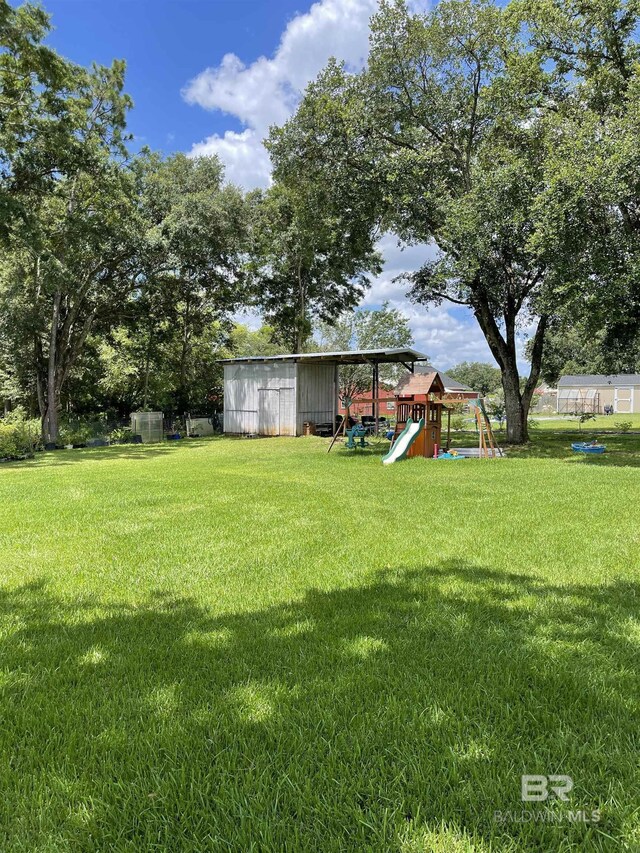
182,396
536,362
147,370
516,413
42,405
38,357
300,336
50,420
516,403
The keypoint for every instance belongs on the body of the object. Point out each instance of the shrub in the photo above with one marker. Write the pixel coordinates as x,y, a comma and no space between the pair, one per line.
80,434
457,423
120,434
19,435
584,417
623,426
75,432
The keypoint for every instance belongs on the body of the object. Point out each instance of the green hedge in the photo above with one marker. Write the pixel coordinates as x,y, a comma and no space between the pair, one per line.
19,436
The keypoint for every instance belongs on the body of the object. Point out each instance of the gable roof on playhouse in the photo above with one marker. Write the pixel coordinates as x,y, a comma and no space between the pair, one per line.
420,383
450,384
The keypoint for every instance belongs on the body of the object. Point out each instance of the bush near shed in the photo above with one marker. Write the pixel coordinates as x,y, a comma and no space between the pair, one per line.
19,436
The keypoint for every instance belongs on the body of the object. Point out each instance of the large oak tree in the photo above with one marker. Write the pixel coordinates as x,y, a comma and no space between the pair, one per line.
441,139
588,217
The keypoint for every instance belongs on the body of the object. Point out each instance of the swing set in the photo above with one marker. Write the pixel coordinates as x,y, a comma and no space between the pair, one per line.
431,410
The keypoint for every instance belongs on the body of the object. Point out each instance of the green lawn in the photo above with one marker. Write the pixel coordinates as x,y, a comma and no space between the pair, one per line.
255,646
600,424
622,450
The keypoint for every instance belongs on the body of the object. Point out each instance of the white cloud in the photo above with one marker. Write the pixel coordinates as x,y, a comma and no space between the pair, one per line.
446,337
267,91
246,160
255,94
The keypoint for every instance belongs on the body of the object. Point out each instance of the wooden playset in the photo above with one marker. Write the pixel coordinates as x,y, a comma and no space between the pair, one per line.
419,396
422,396
421,401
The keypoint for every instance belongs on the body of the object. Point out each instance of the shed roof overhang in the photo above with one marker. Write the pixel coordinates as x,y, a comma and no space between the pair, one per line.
367,356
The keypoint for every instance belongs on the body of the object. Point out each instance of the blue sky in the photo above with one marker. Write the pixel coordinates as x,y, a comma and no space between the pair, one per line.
166,43
210,76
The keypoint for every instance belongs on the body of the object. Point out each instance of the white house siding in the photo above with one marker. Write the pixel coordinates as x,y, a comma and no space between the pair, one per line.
317,394
257,398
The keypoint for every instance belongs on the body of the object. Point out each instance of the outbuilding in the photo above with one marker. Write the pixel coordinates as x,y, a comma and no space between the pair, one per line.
599,393
276,395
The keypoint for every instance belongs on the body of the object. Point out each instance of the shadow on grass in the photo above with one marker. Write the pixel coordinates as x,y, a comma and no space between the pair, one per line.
623,450
402,712
135,452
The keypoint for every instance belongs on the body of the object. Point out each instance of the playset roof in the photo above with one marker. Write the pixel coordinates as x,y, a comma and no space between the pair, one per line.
419,383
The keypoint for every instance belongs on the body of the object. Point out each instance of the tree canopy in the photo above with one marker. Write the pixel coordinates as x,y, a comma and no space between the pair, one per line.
507,138
119,273
453,134
481,377
377,328
304,263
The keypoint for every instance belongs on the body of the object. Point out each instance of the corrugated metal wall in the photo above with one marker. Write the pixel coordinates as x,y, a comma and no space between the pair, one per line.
287,406
260,398
277,398
317,394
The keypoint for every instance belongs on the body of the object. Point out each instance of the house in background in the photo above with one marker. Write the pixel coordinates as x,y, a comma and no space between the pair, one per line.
452,387
592,393
364,405
388,407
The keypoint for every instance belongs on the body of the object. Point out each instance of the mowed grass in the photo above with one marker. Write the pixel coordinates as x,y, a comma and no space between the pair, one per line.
256,646
601,423
622,450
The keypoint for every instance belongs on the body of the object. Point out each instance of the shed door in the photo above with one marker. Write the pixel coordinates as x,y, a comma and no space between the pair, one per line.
623,401
287,411
268,411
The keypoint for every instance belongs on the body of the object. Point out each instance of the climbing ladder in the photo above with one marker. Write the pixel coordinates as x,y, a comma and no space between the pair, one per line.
487,444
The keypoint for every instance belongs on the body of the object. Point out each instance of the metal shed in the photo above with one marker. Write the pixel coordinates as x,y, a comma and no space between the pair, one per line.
275,395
